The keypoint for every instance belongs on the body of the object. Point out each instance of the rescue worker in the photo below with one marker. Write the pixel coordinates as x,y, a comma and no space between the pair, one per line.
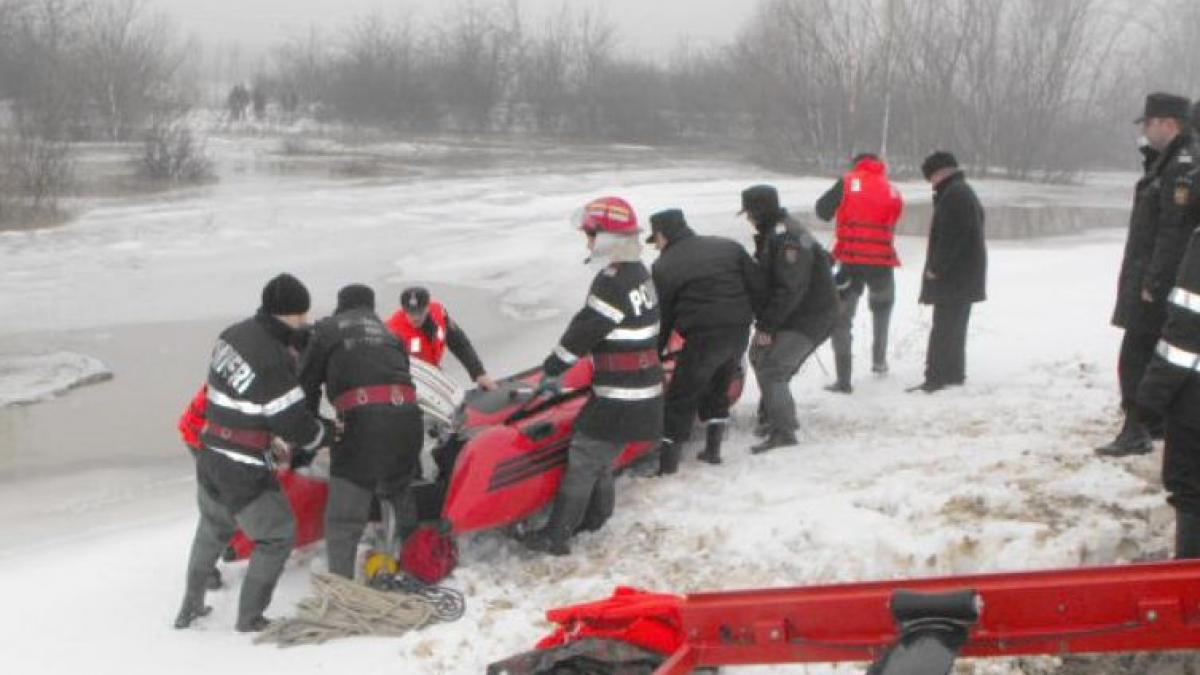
1171,386
798,311
364,370
705,287
866,207
253,395
191,424
618,326
424,326
1157,236
955,274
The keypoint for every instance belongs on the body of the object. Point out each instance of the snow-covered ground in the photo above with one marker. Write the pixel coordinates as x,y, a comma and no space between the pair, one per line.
996,475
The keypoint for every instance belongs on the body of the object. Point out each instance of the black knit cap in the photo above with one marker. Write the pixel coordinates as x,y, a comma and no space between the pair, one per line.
414,299
285,295
664,220
1162,104
355,296
760,200
936,162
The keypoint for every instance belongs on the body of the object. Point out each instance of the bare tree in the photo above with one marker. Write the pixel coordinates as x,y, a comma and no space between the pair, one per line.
594,37
478,52
543,79
130,63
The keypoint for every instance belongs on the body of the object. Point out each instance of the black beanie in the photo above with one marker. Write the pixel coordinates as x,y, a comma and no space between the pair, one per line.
285,295
414,299
355,296
936,162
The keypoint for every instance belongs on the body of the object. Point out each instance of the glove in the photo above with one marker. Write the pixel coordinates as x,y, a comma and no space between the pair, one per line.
548,385
841,278
301,458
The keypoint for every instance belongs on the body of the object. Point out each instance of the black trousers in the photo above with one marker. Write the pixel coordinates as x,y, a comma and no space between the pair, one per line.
380,449
880,285
1181,465
703,372
1137,349
946,358
376,457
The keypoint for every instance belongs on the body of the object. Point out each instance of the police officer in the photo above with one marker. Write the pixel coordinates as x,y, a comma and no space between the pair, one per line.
364,370
1158,233
426,329
618,326
797,314
867,207
1171,386
705,287
253,395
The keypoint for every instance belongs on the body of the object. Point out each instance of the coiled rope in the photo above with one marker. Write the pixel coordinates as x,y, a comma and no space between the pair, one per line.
344,608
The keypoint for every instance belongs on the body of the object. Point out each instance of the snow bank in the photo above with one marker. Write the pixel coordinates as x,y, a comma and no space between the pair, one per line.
28,379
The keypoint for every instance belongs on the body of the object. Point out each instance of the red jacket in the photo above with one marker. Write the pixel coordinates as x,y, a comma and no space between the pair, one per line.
867,215
415,340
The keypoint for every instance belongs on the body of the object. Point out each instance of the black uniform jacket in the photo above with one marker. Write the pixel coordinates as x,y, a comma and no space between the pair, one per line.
1159,227
800,293
253,394
704,283
618,326
348,350
1171,384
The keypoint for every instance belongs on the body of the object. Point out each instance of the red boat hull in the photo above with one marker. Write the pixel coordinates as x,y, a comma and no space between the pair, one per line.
501,464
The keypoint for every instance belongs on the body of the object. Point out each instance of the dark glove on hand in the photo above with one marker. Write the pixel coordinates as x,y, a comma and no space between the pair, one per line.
301,458
841,278
548,385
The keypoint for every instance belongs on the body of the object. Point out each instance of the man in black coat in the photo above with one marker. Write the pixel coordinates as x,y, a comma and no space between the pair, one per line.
705,290
1158,233
797,313
1171,385
955,270
364,370
253,395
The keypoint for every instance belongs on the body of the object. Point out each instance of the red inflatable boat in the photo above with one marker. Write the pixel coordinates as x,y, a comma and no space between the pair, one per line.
499,463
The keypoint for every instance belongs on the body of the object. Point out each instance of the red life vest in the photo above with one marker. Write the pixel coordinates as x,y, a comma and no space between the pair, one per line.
415,340
193,418
866,218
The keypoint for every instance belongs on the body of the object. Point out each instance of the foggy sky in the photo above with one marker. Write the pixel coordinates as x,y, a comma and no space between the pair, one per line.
648,27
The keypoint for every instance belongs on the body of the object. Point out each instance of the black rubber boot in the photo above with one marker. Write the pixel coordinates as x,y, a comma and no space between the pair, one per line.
256,596
714,434
762,426
880,318
668,457
1187,535
555,537
843,366
600,506
777,439
1132,440
193,602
